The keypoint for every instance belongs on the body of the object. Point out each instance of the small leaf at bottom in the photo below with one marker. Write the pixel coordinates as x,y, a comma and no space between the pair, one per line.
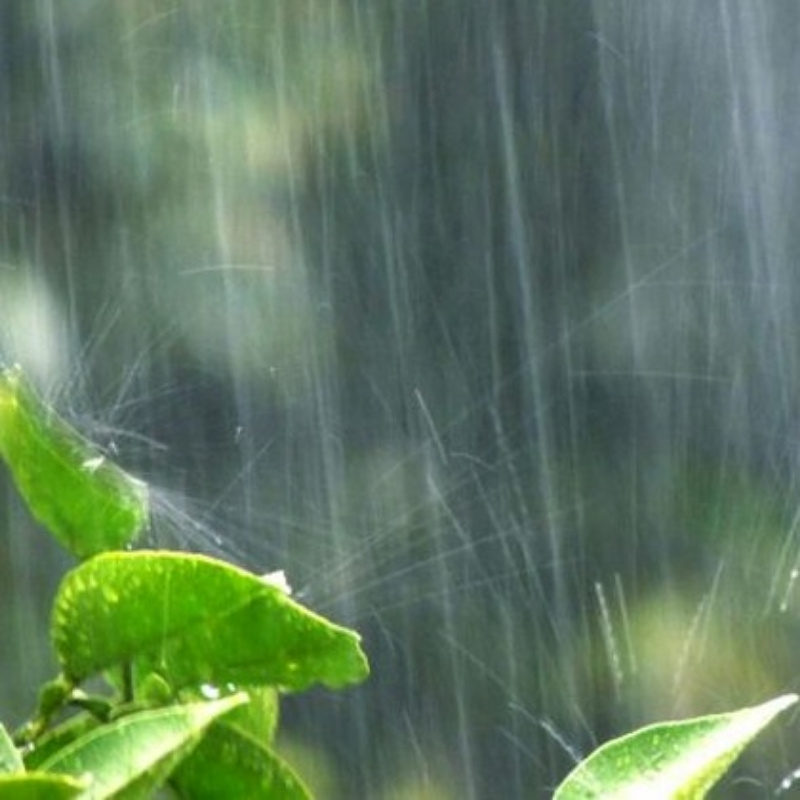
672,759
228,763
139,750
38,786
10,759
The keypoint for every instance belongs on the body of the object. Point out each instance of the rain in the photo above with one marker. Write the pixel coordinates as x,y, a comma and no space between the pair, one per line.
475,322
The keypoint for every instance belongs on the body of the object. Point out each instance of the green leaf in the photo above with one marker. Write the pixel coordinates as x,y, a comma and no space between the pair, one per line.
36,786
87,502
195,621
58,738
257,719
228,763
10,759
672,759
135,754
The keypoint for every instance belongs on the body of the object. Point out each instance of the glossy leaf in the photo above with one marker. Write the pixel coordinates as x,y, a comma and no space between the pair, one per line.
136,753
228,763
88,503
672,759
58,738
10,759
195,621
39,786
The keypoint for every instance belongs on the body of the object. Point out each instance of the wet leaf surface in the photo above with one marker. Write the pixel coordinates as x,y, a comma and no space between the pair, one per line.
87,502
196,621
672,759
136,753
228,763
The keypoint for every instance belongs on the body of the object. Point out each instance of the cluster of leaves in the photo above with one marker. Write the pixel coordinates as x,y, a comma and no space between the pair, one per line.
193,651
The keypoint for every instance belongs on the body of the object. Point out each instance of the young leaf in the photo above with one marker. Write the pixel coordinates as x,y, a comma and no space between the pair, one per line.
38,786
136,753
10,759
195,620
228,763
672,759
87,502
